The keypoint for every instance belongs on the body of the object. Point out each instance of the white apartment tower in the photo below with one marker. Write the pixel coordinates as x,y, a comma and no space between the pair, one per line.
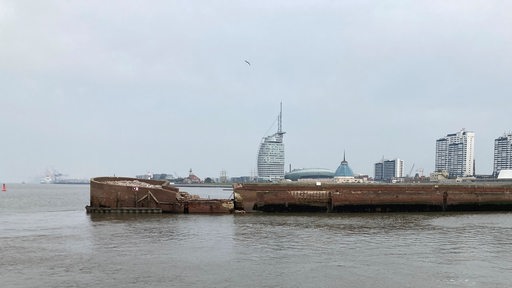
455,154
271,154
502,153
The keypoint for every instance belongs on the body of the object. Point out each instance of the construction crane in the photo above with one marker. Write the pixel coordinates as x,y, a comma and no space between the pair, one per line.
410,171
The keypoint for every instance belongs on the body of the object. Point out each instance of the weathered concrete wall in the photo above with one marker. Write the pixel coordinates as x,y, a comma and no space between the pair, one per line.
372,197
118,192
123,192
209,206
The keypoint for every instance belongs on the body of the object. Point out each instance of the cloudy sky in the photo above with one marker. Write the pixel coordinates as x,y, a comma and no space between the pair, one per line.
96,88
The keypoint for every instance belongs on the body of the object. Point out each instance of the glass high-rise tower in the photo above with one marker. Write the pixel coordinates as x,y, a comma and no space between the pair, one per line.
387,170
271,154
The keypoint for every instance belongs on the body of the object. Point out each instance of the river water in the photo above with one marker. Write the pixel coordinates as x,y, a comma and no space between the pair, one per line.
47,240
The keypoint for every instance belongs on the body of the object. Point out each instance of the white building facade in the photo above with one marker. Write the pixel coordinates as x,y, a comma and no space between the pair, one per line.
455,154
270,162
502,154
271,158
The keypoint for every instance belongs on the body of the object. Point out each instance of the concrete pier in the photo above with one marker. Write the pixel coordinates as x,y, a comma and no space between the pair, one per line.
364,197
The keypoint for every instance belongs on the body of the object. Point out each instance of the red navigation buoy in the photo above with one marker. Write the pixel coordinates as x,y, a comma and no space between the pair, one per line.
3,188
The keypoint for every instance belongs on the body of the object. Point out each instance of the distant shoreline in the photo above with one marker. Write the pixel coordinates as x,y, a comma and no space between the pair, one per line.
212,185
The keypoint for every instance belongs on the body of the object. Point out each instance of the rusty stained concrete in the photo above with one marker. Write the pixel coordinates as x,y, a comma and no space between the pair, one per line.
310,197
124,192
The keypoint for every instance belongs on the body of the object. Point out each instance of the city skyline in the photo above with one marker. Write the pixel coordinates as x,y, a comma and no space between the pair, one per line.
95,88
395,168
503,141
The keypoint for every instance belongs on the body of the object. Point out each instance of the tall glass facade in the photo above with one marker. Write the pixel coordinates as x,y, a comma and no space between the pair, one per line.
271,154
389,169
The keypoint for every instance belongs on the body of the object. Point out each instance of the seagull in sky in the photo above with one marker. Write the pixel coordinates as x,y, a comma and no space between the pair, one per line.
248,63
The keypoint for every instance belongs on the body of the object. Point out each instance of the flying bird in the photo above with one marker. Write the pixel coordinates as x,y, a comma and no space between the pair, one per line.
248,63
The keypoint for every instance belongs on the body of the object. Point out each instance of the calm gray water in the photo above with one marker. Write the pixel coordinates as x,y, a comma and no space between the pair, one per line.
47,240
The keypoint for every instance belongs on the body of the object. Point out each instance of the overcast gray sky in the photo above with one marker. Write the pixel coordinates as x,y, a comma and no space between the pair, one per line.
96,88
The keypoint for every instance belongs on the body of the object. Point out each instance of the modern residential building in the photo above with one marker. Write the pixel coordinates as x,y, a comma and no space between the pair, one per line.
387,170
379,171
271,154
455,154
502,154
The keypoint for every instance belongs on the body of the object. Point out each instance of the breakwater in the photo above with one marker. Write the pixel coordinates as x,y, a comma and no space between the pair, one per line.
331,197
131,195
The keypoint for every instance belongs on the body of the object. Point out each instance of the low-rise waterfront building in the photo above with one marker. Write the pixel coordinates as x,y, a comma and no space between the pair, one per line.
505,175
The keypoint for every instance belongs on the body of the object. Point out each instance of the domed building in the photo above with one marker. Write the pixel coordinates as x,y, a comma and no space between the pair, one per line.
309,174
344,173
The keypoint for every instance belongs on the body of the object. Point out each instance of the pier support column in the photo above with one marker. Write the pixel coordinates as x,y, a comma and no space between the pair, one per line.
329,203
445,200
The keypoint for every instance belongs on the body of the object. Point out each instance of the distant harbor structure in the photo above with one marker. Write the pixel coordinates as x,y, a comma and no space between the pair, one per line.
55,177
271,154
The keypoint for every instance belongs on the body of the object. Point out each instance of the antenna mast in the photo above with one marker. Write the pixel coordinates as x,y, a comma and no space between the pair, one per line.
280,119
